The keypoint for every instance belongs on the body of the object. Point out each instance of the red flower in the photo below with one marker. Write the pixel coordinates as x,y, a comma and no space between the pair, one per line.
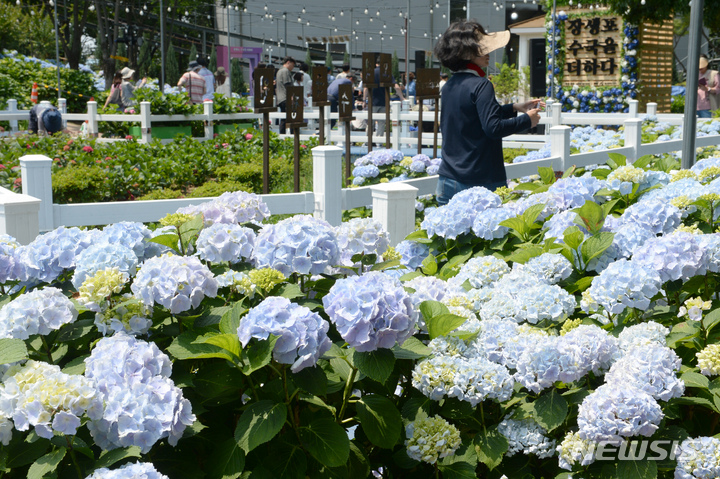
18,181
303,146
2,167
65,148
215,135
87,149
248,136
217,146
129,137
108,158
225,145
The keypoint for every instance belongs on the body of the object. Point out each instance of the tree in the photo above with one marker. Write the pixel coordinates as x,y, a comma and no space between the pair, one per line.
172,72
506,82
346,58
193,53
395,66
328,60
238,80
108,30
308,60
212,63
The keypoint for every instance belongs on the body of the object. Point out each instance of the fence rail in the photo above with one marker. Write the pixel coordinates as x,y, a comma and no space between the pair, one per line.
400,117
24,215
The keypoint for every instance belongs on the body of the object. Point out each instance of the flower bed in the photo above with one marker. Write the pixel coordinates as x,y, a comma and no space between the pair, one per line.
515,334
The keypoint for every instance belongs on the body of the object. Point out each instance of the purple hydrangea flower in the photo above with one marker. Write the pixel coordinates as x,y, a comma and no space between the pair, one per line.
412,253
231,207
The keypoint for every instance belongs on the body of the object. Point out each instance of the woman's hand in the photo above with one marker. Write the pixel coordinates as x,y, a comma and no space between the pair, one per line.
529,105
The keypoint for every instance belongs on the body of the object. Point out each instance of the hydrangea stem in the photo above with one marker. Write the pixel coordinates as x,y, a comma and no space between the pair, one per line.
74,459
47,348
348,390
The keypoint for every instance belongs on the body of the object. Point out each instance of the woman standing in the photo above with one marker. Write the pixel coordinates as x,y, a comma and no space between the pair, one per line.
115,96
472,121
222,84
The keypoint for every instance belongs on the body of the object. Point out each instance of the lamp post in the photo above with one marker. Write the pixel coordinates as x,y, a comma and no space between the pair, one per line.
693,73
162,46
57,49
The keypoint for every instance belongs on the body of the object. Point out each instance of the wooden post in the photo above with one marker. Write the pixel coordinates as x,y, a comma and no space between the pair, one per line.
266,152
386,81
263,103
294,120
345,106
420,129
368,78
427,87
435,127
319,96
296,158
370,121
387,117
321,127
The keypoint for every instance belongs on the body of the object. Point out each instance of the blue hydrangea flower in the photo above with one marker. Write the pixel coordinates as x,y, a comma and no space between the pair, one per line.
142,404
612,413
131,235
647,334
361,235
675,256
573,192
225,242
559,222
697,458
551,201
469,379
412,253
371,311
487,223
623,284
711,244
299,244
231,207
481,271
689,187
657,216
50,254
550,268
592,346
630,237
526,436
138,470
530,304
11,269
366,171
652,369
101,256
303,334
417,166
37,312
178,283
544,363
430,288
457,217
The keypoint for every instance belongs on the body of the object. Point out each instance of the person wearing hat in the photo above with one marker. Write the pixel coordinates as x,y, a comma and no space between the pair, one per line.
207,76
127,89
443,80
708,89
45,119
472,121
222,84
195,83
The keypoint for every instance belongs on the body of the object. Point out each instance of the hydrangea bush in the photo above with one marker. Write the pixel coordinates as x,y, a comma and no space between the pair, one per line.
514,334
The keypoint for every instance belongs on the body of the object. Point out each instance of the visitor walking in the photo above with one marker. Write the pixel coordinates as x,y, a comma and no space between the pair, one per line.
333,93
708,89
472,121
195,83
283,80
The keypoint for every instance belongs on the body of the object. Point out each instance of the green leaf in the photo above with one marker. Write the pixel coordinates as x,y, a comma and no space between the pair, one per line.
429,265
385,265
547,175
417,235
550,410
231,319
376,364
443,324
226,460
531,214
258,354
12,350
637,469
288,460
711,320
695,401
170,240
452,267
228,342
259,423
76,366
290,291
212,317
591,216
490,447
184,347
108,458
573,237
517,225
430,309
190,229
46,464
596,245
458,470
312,380
524,254
76,330
412,348
380,420
695,380
643,161
616,160
326,441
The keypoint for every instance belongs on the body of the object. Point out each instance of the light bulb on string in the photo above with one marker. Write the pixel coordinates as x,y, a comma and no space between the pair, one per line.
265,7
236,8
186,13
370,38
336,29
142,13
342,13
91,8
127,10
169,9
444,15
513,16
400,13
425,34
51,3
303,9
390,37
512,6
357,22
299,20
464,8
366,10
384,25
380,32
437,4
377,14
431,10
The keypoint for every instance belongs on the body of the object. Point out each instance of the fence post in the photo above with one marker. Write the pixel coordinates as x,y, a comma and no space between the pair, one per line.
12,108
395,107
633,136
560,144
548,114
208,112
328,129
394,208
651,109
37,182
633,108
556,114
92,111
145,121
327,183
19,216
62,106
405,125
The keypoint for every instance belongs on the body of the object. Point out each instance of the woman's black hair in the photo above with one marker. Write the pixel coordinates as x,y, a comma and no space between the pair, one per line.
459,44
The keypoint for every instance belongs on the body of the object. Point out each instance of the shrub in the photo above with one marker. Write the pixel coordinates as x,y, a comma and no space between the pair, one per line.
216,188
678,104
78,184
161,194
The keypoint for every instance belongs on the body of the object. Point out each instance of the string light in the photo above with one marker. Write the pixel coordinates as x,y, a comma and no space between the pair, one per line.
303,9
366,10
342,13
265,7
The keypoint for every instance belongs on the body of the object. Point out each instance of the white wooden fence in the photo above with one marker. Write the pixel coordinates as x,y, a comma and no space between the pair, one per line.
25,215
400,116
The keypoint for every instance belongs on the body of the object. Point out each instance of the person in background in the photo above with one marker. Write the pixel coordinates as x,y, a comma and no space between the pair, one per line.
472,121
222,83
283,80
115,96
306,82
443,80
345,71
378,97
195,83
333,93
44,120
207,76
127,89
708,89
411,85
